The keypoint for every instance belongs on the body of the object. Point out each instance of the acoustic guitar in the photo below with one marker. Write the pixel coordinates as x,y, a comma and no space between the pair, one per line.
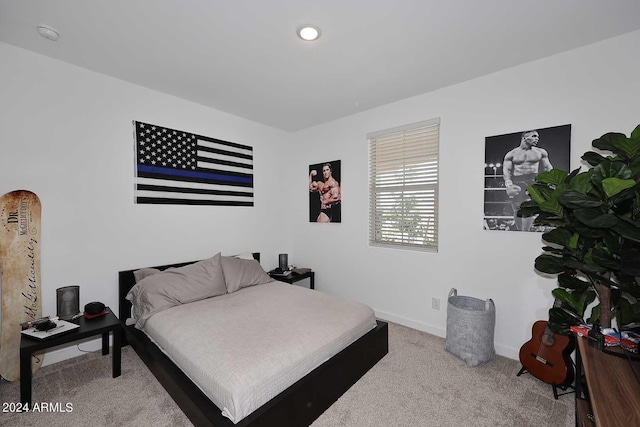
547,356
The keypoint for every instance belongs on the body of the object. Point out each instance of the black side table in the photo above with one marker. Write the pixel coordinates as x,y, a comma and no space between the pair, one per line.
88,327
293,277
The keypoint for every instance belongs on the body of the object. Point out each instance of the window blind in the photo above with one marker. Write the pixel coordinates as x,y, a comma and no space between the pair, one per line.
403,186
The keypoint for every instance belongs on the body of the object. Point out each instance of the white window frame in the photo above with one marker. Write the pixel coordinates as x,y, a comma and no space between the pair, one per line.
403,186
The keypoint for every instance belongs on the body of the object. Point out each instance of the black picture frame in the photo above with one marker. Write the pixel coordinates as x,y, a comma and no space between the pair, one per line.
499,208
67,302
331,212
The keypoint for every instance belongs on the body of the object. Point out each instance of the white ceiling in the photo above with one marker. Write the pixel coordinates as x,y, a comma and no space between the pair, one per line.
243,56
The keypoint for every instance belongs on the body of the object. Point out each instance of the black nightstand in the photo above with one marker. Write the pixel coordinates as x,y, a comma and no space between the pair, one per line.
293,277
88,327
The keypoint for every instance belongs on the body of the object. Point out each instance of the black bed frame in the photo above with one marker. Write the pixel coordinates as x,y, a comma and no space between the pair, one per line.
299,405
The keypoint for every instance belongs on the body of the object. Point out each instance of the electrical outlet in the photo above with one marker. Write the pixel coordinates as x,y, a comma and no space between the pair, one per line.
435,303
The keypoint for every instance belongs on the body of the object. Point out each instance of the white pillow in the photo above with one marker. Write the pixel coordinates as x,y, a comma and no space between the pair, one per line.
245,255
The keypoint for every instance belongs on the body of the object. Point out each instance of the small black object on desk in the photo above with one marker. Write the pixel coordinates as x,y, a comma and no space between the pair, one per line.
596,337
45,326
88,327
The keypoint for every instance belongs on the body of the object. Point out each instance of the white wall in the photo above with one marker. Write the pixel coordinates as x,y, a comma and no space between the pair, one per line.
593,88
66,134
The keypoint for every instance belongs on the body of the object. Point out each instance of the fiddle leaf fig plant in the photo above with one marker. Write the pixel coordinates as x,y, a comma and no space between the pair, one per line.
594,247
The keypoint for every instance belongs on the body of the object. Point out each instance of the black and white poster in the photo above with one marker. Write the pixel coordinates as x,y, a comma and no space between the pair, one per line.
325,192
512,162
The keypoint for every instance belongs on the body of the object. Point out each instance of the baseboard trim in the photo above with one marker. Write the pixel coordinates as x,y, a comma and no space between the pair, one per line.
502,350
414,324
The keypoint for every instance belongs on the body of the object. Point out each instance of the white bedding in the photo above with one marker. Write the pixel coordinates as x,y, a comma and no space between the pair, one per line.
244,348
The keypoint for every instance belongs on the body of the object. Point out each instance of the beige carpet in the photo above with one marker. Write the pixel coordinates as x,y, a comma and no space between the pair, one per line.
416,384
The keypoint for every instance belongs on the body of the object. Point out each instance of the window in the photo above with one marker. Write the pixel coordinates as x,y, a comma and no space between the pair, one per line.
403,186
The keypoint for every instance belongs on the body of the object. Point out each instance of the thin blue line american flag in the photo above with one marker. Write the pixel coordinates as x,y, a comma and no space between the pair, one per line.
177,167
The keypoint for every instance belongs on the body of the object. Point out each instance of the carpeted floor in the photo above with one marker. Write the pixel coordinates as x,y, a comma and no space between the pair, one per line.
416,384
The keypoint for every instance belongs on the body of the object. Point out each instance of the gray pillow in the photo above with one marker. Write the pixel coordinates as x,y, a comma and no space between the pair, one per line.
241,273
174,286
144,272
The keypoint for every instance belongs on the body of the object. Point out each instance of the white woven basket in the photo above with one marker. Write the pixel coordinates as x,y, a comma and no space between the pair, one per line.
470,328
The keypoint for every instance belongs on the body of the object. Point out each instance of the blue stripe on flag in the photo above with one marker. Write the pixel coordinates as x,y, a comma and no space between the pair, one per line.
193,174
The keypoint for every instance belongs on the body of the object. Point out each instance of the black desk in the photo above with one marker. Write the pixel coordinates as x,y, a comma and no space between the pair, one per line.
88,327
293,277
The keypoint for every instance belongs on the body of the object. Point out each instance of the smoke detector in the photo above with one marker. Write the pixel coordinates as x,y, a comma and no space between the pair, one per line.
48,33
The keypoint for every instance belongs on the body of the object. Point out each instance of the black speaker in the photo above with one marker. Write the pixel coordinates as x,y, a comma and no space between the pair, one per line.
283,262
94,308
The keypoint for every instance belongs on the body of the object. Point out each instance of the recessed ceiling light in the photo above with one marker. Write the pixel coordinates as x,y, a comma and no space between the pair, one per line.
48,33
308,32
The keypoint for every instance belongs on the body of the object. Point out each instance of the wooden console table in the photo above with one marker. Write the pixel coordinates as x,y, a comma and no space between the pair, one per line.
612,389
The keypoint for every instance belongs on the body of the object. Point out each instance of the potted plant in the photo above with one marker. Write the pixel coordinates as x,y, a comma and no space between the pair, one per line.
594,247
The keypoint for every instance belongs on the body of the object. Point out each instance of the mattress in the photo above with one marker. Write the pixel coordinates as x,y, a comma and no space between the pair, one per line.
242,349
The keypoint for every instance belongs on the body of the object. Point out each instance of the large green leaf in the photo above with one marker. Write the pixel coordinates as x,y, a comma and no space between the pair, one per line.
632,222
575,200
577,299
552,250
548,220
588,243
553,177
580,300
613,186
595,314
635,168
593,158
539,192
582,182
549,264
627,230
612,241
529,204
560,319
617,201
628,312
607,141
568,281
595,277
605,259
629,148
580,266
572,175
590,232
567,298
609,169
552,206
635,134
528,208
593,217
559,236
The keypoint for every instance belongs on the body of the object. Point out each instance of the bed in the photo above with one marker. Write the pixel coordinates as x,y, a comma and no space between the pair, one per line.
309,394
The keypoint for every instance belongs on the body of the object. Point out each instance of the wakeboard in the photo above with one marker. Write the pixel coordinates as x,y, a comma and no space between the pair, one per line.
20,218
